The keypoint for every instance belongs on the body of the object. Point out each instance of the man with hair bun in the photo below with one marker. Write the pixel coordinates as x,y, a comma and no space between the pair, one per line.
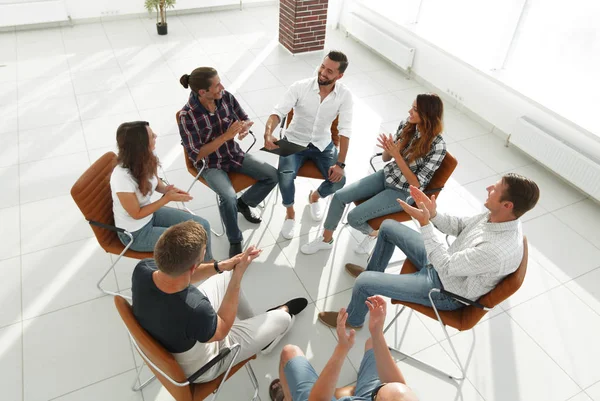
208,125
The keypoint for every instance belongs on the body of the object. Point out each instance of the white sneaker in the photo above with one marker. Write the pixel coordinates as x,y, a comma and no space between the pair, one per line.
316,209
315,246
287,231
273,344
366,246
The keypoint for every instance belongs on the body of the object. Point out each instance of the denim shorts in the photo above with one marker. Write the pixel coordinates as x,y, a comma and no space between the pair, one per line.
301,377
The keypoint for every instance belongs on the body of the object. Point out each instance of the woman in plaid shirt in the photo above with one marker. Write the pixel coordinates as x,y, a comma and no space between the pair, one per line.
416,152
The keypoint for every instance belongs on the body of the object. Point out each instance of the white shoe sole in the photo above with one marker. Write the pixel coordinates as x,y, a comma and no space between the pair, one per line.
313,251
278,338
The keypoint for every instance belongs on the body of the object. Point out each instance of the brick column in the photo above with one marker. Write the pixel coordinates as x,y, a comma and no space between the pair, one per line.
302,24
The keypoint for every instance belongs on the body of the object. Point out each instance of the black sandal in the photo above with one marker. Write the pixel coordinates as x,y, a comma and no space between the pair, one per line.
294,306
276,391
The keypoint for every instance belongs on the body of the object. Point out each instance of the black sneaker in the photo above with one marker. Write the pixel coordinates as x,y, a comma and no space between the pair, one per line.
235,249
294,306
246,212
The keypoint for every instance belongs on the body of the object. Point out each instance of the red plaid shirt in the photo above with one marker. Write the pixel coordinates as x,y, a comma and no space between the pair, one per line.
198,127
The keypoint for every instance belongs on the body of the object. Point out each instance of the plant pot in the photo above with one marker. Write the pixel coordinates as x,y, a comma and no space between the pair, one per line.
162,28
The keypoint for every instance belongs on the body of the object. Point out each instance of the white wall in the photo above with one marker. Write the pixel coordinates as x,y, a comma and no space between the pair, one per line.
482,94
25,12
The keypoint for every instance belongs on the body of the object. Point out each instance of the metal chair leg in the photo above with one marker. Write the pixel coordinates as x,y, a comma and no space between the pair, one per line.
113,266
456,360
222,222
252,379
135,387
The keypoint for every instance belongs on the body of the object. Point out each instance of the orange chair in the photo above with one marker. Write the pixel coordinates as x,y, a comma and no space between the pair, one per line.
309,169
92,195
239,181
467,317
167,370
437,183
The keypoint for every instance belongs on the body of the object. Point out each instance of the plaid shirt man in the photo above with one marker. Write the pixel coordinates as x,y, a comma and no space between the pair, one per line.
423,167
480,257
197,127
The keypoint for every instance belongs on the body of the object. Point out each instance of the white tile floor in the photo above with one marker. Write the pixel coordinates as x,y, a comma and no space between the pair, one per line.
63,92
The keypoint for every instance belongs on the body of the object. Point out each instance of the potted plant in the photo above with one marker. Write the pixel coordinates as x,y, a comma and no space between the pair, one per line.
160,6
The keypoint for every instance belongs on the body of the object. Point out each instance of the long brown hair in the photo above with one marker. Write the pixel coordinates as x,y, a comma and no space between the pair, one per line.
135,153
431,111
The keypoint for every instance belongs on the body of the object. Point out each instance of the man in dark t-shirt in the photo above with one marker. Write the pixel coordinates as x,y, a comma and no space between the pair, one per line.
194,323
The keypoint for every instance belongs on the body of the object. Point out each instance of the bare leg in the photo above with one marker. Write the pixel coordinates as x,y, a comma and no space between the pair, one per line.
288,352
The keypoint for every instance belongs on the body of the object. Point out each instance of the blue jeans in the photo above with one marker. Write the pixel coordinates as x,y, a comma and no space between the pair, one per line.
218,181
381,201
301,378
412,287
289,166
145,238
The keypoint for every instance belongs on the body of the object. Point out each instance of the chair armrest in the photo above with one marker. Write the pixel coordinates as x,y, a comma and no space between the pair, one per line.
253,140
107,226
222,355
464,300
281,126
373,158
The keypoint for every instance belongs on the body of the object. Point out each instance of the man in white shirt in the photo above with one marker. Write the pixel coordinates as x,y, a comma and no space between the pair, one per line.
488,247
316,102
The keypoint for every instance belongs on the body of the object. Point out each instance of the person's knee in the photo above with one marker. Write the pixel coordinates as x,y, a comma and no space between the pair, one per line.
204,223
289,352
354,218
229,199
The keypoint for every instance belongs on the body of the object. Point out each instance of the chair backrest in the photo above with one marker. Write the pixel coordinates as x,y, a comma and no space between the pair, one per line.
507,287
443,173
335,135
155,353
92,195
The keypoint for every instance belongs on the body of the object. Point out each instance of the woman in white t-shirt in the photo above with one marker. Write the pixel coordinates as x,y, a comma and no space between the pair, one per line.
132,184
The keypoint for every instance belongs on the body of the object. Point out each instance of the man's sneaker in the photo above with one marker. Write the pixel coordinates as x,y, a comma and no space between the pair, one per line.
330,319
315,246
287,231
354,270
316,209
294,306
246,212
366,246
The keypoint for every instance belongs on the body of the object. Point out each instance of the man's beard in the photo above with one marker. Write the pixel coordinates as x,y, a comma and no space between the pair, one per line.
323,82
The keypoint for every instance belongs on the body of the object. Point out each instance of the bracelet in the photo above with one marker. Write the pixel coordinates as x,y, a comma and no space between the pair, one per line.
216,266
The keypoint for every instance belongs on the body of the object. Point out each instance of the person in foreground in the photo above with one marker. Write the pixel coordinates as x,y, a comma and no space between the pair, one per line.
195,323
132,183
379,378
415,153
208,124
488,247
316,103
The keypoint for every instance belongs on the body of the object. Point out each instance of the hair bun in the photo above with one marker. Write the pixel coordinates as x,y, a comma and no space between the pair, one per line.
185,80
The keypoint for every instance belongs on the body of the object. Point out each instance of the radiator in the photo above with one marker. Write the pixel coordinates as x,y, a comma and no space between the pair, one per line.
24,12
574,165
399,53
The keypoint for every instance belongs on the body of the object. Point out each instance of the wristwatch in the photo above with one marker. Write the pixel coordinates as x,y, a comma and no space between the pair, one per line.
216,265
342,165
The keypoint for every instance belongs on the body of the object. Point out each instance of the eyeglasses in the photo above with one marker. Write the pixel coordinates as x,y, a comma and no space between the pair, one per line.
374,393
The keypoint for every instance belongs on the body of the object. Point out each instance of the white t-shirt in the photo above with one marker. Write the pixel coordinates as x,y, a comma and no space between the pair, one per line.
121,180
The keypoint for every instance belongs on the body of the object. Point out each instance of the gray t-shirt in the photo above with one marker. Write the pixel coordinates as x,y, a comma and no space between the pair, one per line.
177,321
